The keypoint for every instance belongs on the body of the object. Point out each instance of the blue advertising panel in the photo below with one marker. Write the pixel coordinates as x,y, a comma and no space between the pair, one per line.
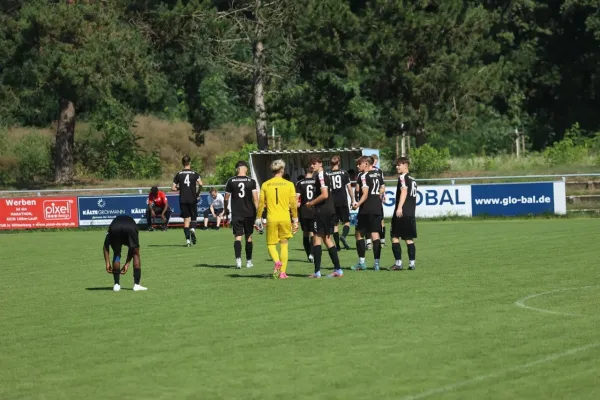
101,210
510,199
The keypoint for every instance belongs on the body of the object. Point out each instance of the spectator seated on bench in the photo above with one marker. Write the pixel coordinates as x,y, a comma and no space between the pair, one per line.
216,204
158,209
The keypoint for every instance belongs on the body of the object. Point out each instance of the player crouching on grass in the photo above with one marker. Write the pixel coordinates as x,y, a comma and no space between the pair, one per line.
123,231
279,197
242,192
404,224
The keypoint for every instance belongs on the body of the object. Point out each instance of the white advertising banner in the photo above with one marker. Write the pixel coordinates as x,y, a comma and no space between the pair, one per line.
434,201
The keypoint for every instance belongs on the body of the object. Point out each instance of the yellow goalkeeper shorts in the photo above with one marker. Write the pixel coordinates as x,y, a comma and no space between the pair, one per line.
277,231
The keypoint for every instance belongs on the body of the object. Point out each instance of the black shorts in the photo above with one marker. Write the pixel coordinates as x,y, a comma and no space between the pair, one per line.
218,211
369,223
123,231
307,224
323,224
342,214
242,225
189,210
404,228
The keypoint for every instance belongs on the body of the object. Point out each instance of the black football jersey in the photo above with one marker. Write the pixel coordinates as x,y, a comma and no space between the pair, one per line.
240,190
373,182
410,204
339,180
186,180
324,181
306,188
357,187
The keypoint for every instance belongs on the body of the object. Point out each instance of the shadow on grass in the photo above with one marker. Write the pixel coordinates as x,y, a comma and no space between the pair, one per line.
105,288
214,266
167,245
264,276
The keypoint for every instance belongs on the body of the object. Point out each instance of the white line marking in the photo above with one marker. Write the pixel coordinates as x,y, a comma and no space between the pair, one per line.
448,388
521,302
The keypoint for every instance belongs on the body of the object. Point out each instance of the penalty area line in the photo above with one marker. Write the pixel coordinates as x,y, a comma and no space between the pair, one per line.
480,378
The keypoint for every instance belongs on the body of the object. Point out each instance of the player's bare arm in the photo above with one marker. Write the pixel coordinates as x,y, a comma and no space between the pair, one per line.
200,184
364,196
174,187
255,197
226,203
293,204
350,191
107,255
403,194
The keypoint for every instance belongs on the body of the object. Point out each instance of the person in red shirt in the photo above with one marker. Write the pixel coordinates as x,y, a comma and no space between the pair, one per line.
158,204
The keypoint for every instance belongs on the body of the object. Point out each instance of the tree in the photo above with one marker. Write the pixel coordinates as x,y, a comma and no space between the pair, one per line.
78,55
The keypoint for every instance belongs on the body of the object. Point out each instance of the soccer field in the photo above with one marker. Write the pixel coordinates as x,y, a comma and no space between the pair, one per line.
498,309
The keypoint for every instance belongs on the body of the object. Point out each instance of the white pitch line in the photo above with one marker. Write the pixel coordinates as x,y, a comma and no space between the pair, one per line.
521,302
454,386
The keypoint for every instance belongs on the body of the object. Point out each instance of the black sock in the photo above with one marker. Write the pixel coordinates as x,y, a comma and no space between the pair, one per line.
307,245
333,254
336,238
237,247
193,224
412,251
249,247
116,275
361,248
383,233
186,231
397,251
345,230
377,249
137,275
317,254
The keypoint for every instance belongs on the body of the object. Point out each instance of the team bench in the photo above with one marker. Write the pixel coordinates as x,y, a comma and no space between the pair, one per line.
212,221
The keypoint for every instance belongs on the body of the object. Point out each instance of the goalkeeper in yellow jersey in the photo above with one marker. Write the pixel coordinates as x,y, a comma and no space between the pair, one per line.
279,196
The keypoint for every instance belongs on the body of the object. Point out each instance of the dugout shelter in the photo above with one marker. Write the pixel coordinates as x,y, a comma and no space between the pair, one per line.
296,160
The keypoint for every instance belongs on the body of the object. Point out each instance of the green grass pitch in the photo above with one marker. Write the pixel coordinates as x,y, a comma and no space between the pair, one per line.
497,309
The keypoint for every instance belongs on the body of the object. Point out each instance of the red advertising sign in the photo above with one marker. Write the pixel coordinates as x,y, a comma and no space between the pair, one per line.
38,212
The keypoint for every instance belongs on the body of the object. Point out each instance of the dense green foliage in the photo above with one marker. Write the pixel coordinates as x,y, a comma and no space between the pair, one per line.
459,75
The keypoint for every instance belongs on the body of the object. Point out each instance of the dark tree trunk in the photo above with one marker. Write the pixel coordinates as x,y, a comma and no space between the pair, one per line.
420,137
65,137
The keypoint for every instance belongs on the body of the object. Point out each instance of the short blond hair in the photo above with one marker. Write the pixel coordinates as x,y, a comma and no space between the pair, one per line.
277,166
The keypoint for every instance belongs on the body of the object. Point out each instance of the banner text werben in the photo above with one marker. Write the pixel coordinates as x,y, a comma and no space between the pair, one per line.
38,212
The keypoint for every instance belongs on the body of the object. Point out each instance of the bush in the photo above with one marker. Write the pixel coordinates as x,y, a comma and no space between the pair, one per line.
225,164
427,161
571,150
33,153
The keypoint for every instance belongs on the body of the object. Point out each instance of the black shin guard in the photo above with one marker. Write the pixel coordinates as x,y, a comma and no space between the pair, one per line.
249,247
383,233
345,230
186,231
361,248
333,254
377,249
336,239
412,251
116,275
317,254
397,250
307,245
237,248
137,275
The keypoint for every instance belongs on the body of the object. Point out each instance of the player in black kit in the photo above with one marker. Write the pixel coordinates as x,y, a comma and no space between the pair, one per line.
243,193
370,211
185,181
305,192
404,225
323,225
341,189
382,234
123,231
